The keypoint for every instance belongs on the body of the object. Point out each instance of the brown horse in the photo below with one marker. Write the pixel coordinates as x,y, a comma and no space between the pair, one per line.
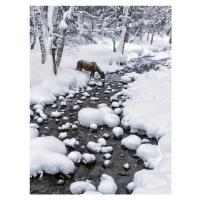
90,66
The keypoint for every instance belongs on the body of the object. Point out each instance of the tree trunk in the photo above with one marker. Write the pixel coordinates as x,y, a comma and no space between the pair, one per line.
60,48
170,38
40,33
152,36
33,27
114,32
128,12
54,61
55,20
62,40
148,36
44,21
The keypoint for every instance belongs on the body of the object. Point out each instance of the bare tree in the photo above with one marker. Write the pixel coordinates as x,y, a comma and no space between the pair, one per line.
124,34
40,34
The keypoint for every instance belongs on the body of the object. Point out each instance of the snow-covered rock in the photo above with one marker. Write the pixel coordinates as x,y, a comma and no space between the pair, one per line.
93,126
49,154
107,185
117,111
71,142
115,104
102,141
118,132
94,147
107,156
87,116
102,105
62,135
88,159
92,83
34,125
76,107
131,186
80,187
33,133
38,106
75,156
112,120
56,114
101,116
125,79
156,181
61,97
131,142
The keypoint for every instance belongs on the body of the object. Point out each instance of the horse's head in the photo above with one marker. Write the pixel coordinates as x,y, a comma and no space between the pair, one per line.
102,75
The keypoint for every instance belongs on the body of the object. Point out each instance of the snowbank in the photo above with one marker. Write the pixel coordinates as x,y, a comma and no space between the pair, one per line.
149,108
49,154
80,187
45,86
107,185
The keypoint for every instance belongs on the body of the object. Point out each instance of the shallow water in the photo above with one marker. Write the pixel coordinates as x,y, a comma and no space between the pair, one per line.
47,184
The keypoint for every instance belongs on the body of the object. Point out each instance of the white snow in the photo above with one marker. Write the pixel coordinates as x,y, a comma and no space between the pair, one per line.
102,141
131,142
49,154
117,111
131,186
80,187
75,156
125,79
38,106
56,114
156,181
101,116
115,104
149,108
94,146
88,158
107,156
76,107
117,131
107,185
93,126
149,154
62,135
34,125
33,133
31,112
71,142
112,120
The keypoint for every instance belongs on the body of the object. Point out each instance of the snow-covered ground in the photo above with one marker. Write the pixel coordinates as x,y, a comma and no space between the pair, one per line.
148,108
45,86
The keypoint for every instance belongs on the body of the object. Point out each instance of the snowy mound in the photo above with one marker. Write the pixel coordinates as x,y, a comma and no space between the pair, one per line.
80,187
107,185
156,181
117,131
48,154
75,156
101,116
131,142
149,154
33,133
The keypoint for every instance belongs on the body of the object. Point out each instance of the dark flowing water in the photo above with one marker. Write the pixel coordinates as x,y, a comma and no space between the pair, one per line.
47,184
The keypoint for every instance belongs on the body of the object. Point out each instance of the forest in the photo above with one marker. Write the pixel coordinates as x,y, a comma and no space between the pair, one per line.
100,100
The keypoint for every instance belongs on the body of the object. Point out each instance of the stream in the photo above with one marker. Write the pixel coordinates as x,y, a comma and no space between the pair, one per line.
47,183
